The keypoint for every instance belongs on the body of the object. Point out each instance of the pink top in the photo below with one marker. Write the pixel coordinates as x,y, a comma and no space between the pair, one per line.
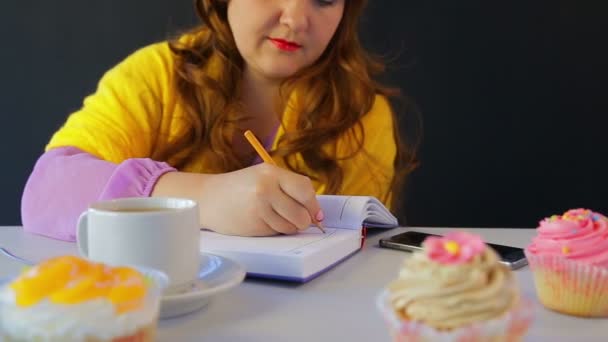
578,234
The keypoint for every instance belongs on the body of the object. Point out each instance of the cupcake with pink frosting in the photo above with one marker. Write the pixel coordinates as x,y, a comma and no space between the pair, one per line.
455,289
569,260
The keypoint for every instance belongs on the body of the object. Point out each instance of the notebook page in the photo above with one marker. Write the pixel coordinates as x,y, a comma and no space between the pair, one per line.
345,212
378,216
278,244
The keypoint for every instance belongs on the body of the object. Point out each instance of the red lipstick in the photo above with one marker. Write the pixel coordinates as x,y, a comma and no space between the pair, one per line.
285,45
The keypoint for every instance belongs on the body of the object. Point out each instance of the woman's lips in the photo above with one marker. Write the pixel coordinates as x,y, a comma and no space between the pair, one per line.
285,45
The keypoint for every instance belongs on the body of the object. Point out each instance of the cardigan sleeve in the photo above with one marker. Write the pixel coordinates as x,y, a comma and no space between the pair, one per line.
66,180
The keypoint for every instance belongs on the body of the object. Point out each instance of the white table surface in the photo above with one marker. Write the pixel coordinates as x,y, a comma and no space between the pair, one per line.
337,306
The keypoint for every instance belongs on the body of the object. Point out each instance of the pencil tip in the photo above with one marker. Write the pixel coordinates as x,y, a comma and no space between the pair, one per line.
320,226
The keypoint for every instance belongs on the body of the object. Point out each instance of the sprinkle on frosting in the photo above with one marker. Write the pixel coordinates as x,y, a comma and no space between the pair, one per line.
566,250
577,214
71,280
454,248
581,217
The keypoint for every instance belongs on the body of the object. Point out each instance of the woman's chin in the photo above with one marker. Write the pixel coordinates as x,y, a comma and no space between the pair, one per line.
281,70
280,74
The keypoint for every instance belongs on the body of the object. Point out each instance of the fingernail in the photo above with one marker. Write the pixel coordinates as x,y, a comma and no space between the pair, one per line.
320,215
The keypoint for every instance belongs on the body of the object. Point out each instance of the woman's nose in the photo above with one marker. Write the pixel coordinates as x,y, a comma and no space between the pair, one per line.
296,14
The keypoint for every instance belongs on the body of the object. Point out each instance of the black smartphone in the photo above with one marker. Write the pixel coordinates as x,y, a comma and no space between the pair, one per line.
411,241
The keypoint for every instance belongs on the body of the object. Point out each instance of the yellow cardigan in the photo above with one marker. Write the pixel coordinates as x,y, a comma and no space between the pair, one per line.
136,110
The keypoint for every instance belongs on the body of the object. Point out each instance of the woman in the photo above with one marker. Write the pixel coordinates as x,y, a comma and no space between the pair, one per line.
169,119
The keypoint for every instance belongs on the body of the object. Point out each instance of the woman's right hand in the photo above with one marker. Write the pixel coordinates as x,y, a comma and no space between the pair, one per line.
257,201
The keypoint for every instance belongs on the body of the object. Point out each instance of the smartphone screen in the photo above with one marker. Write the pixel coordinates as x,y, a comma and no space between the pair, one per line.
514,257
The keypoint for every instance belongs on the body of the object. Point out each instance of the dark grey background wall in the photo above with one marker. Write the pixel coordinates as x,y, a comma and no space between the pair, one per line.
512,95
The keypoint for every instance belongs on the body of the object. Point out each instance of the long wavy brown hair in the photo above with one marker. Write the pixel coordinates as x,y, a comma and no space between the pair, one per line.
334,93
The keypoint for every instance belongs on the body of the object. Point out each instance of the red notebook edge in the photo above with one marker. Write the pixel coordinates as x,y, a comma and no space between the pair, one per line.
363,235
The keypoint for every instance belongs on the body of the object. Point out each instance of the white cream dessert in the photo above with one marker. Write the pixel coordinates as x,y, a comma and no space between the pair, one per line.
455,289
451,294
71,299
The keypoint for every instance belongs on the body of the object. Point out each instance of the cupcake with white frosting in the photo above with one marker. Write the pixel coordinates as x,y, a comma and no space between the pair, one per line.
453,290
71,299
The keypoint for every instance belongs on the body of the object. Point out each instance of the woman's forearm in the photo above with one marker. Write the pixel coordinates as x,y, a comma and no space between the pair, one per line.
180,184
198,187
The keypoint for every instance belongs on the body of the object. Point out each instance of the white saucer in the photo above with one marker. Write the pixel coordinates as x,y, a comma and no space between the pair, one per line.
217,274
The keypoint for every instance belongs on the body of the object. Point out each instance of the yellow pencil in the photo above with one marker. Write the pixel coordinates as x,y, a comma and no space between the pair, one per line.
257,146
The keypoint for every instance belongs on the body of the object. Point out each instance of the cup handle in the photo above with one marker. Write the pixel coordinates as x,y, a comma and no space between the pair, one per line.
82,235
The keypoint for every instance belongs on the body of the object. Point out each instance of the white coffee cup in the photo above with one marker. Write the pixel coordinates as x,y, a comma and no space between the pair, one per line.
161,233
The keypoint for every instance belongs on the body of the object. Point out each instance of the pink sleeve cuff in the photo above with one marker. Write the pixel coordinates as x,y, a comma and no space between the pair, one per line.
134,178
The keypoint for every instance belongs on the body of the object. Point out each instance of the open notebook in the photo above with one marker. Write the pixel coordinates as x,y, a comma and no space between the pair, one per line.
303,256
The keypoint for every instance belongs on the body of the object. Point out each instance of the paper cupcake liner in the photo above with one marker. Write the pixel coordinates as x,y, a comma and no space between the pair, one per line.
511,326
569,286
